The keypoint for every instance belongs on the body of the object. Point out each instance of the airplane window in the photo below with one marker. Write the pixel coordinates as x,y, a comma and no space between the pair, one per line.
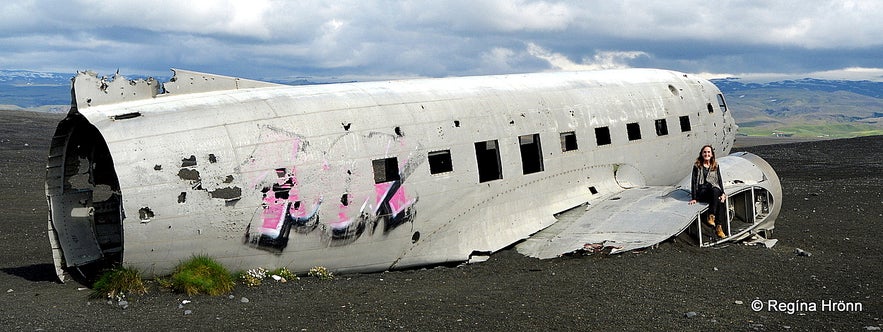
685,123
568,141
634,131
661,127
602,135
710,108
386,170
531,153
722,103
488,158
440,162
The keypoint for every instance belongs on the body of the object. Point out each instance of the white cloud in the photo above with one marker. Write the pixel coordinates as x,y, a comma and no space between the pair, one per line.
434,38
600,60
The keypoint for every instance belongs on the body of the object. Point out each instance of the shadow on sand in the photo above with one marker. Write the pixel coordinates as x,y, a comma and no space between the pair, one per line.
36,272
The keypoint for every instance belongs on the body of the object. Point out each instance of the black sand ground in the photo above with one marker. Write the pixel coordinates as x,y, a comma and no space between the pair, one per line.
833,209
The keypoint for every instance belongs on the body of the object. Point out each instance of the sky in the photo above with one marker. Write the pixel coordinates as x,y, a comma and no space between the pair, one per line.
366,39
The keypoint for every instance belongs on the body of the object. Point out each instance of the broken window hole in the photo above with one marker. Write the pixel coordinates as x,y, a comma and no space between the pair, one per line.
344,199
398,131
593,190
157,167
457,123
346,126
228,179
182,197
415,237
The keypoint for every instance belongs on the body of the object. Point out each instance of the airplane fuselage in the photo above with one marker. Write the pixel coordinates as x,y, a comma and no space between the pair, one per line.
366,176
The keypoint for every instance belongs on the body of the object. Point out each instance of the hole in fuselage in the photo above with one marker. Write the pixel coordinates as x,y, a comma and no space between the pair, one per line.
85,200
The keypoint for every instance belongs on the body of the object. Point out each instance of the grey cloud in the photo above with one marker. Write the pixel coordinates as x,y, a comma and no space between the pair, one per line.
273,38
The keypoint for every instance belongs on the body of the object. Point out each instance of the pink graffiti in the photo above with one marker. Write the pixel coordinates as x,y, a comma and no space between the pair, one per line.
397,200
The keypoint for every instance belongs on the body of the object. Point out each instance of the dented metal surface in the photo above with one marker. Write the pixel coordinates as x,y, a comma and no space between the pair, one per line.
360,176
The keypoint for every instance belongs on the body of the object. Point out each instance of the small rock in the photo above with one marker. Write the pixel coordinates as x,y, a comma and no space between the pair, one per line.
801,252
180,306
690,314
186,301
231,297
872,328
715,268
123,303
188,311
9,290
738,302
243,300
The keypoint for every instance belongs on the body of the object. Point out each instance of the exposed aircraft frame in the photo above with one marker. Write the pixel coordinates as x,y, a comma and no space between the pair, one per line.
380,175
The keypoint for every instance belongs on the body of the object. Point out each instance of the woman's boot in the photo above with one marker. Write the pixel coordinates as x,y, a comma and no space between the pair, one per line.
711,220
720,232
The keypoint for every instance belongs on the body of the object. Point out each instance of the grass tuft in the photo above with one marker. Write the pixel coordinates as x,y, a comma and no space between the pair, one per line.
201,275
320,272
118,282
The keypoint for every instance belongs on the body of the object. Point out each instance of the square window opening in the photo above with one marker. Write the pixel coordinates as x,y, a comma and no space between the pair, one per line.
568,141
440,162
386,170
487,156
531,153
685,123
661,127
602,135
634,131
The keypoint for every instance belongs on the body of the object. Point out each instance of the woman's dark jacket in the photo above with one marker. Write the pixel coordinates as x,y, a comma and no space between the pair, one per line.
713,178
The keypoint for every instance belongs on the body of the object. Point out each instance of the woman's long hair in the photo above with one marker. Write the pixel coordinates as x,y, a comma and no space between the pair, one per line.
712,163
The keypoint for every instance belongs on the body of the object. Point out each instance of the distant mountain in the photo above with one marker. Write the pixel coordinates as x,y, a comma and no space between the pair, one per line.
50,92
804,107
866,88
29,89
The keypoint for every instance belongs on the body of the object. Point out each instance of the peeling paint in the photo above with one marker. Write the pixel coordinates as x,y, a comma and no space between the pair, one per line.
188,174
188,162
226,193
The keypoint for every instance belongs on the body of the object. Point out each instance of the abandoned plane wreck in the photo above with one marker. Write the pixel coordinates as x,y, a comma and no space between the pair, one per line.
373,176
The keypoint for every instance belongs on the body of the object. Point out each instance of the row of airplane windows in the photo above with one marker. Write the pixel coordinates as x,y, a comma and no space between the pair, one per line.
488,155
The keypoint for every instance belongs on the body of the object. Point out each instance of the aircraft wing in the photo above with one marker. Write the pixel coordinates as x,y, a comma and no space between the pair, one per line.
632,219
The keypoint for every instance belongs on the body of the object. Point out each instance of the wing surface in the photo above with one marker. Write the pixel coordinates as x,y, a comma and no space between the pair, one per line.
632,219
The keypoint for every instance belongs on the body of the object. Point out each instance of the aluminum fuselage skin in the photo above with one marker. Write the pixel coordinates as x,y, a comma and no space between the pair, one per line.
343,172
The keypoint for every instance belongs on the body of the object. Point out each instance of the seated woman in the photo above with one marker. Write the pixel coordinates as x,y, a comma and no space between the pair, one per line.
708,187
